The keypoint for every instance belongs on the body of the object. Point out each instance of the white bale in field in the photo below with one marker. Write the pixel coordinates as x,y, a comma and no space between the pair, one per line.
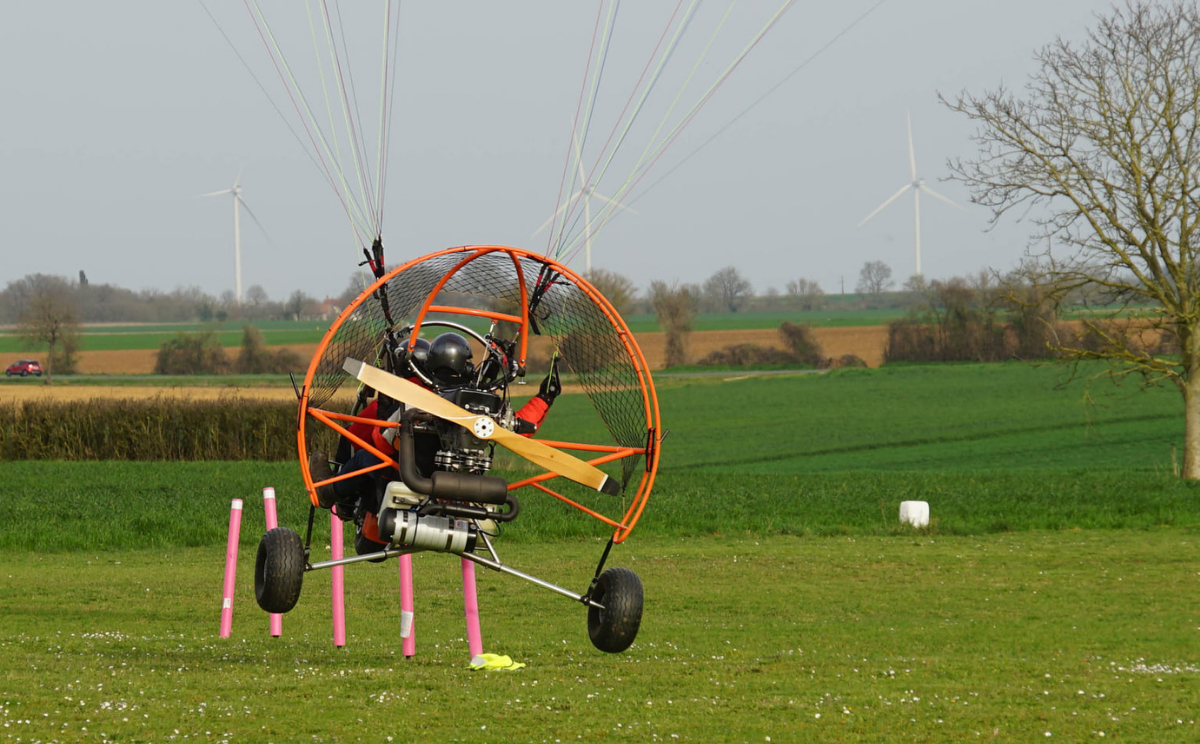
915,513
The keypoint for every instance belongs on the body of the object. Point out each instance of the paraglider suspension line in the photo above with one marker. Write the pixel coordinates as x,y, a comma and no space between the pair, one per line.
375,263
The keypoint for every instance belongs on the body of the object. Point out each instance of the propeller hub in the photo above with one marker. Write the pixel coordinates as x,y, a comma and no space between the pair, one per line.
484,427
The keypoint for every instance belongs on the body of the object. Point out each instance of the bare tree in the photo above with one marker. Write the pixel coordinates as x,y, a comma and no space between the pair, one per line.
675,306
358,281
299,304
728,289
806,293
256,296
49,319
1102,150
874,278
616,288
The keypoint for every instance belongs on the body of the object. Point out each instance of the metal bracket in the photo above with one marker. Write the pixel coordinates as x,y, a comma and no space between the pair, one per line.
587,596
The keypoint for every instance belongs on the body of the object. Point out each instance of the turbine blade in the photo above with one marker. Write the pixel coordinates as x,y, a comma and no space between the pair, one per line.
613,202
557,212
912,158
936,195
578,159
260,225
214,193
881,207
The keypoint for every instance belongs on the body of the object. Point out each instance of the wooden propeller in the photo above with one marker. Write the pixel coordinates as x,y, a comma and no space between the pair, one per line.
483,427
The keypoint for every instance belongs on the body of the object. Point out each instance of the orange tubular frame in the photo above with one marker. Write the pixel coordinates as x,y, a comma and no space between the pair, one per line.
624,526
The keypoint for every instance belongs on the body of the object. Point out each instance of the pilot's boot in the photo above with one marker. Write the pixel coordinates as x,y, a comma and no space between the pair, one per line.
318,467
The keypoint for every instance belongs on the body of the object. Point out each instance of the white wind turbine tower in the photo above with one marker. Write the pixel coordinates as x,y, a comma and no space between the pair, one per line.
917,185
236,191
587,192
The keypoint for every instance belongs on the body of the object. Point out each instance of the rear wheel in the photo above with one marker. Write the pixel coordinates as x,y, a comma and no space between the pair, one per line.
613,629
279,570
24,373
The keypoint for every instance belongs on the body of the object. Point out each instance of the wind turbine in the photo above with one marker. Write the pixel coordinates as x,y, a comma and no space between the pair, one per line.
588,192
236,191
917,185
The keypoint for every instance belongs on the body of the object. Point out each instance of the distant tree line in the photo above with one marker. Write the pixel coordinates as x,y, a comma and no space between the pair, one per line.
990,317
107,303
200,353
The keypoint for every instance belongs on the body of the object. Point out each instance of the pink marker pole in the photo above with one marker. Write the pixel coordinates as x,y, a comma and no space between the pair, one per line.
339,587
407,633
231,556
272,523
471,609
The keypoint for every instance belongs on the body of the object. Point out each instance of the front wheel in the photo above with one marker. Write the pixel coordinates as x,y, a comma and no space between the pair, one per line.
279,570
613,629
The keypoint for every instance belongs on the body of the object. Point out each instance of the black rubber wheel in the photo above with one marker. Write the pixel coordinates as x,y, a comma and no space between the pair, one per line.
364,545
613,629
279,570
24,373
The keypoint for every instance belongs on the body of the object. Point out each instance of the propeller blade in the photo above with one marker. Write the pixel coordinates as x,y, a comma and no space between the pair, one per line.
214,193
912,158
484,427
936,195
881,207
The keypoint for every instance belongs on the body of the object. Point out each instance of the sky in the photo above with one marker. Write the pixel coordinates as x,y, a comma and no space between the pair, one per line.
117,115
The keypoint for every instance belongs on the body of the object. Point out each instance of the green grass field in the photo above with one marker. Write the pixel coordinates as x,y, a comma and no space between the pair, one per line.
1072,636
131,338
1052,597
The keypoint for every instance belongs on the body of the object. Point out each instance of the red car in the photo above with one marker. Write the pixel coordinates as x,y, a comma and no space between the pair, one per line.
24,368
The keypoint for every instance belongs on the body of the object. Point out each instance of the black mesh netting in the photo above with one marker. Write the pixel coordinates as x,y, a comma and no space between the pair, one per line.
586,339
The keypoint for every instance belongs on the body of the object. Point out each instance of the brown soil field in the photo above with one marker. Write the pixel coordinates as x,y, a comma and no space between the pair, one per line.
866,342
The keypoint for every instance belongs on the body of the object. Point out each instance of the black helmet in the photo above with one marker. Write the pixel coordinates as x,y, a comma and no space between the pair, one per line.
418,355
449,358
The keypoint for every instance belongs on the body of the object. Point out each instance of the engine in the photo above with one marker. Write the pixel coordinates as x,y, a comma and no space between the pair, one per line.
461,451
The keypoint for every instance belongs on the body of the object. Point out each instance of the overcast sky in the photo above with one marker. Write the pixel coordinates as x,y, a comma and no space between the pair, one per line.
117,114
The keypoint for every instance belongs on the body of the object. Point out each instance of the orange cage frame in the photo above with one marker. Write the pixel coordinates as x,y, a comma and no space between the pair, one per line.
610,453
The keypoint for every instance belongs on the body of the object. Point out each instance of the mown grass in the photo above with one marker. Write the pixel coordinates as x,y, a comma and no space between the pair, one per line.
1070,636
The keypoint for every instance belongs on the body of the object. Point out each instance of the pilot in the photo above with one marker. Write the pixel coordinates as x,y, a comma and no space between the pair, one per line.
447,360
